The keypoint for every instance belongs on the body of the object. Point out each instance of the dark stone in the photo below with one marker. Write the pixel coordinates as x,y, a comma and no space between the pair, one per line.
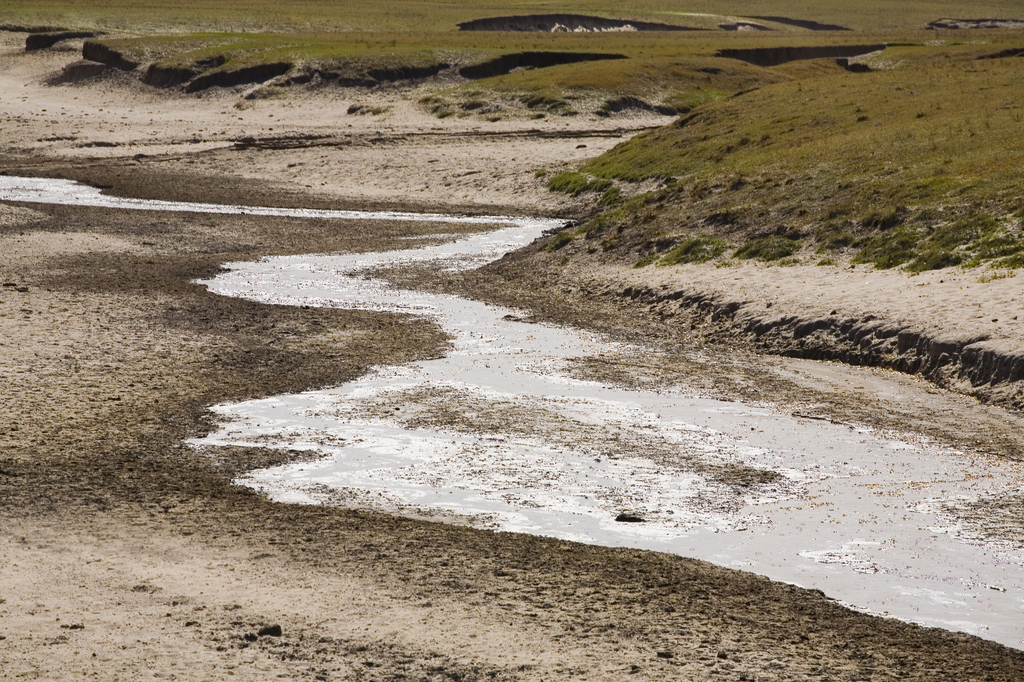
270,631
628,518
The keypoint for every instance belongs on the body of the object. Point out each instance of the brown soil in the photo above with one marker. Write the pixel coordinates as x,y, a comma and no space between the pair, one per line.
126,555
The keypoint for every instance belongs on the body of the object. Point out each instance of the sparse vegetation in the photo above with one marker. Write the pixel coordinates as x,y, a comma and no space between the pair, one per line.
571,182
698,249
560,240
768,249
896,190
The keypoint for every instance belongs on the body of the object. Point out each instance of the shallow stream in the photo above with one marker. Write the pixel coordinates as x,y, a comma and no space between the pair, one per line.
499,434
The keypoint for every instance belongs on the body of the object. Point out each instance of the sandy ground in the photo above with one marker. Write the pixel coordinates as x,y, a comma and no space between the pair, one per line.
126,556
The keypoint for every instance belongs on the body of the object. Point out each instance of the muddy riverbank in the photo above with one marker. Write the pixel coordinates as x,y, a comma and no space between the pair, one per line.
113,367
125,553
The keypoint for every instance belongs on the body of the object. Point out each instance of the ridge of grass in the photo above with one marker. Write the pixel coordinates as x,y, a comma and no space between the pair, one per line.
917,165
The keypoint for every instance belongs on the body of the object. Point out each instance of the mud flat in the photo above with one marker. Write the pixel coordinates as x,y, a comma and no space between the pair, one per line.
112,357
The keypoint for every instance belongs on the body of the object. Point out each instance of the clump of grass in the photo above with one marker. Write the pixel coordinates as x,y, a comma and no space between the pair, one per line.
560,240
547,102
575,183
994,275
831,238
889,249
768,249
827,261
540,172
698,249
438,106
645,261
611,197
966,241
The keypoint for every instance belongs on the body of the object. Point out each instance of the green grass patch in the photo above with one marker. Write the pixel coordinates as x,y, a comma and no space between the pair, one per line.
698,249
768,249
575,183
889,249
611,197
560,240
896,189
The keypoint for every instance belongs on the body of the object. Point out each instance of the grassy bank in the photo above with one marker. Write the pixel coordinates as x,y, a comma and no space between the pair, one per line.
793,145
917,163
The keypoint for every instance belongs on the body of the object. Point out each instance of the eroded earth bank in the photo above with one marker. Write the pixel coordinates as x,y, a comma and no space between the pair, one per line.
128,555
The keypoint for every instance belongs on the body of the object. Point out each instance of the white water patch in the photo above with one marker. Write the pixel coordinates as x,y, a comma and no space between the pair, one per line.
69,192
499,432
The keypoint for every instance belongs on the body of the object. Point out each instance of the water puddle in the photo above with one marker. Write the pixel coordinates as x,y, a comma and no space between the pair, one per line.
500,434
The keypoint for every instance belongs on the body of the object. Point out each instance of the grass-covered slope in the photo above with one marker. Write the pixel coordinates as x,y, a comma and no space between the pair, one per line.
919,163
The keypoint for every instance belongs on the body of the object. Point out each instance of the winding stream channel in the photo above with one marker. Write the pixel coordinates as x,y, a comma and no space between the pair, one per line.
499,434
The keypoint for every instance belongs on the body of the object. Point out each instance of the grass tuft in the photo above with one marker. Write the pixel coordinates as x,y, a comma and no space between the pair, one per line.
576,183
698,249
768,249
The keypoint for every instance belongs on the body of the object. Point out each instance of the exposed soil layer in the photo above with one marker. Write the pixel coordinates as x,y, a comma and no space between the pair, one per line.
41,41
530,60
803,23
564,22
244,76
96,51
955,24
1002,54
773,56
981,359
78,71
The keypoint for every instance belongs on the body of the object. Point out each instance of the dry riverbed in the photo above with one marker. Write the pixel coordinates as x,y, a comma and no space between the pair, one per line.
127,555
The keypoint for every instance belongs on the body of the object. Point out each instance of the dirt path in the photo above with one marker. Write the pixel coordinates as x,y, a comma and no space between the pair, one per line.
128,556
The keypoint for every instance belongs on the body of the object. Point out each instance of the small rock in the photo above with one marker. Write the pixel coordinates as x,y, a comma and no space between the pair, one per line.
723,655
628,518
665,654
23,290
270,631
251,637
